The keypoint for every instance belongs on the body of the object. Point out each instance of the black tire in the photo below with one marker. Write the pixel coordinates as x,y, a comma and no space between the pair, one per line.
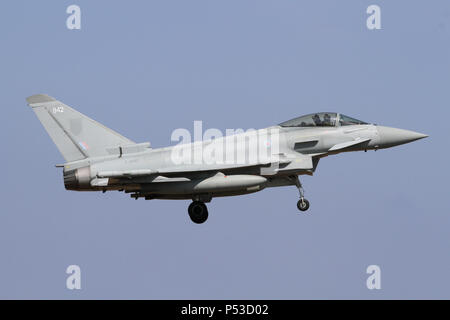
303,204
198,212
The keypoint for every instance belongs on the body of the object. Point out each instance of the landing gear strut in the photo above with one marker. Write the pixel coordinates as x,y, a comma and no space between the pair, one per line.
302,204
198,212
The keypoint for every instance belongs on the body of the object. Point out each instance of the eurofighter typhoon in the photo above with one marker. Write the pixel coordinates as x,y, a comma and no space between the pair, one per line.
100,159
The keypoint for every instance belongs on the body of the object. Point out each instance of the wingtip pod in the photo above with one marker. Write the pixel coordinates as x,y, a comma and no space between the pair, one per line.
39,98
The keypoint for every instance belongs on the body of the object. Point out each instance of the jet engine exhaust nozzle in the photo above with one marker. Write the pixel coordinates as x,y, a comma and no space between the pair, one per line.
77,179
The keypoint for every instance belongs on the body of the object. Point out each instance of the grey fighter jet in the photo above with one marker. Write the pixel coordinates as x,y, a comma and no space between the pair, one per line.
100,159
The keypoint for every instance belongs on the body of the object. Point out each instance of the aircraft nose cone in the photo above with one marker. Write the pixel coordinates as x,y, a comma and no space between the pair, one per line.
390,137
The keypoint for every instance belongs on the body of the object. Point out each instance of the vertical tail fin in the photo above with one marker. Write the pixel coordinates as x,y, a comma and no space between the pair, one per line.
76,136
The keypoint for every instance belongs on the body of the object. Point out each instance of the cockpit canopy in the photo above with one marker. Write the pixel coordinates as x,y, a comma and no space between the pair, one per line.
321,119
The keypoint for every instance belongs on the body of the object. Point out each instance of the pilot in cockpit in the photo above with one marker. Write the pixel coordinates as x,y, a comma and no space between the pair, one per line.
326,119
316,120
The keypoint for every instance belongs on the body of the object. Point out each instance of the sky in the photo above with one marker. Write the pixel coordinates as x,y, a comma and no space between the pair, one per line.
146,68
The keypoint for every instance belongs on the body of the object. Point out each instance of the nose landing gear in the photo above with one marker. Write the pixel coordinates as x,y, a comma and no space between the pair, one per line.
198,212
302,204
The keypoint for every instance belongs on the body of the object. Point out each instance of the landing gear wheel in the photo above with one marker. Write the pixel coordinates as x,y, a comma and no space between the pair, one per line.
303,204
198,212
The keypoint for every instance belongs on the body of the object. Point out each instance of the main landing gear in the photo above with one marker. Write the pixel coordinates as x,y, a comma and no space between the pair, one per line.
302,204
198,212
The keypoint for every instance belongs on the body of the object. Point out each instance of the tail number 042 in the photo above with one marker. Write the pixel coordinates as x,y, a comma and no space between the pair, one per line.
59,109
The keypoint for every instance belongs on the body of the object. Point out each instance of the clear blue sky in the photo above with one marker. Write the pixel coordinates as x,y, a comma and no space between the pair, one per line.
145,68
